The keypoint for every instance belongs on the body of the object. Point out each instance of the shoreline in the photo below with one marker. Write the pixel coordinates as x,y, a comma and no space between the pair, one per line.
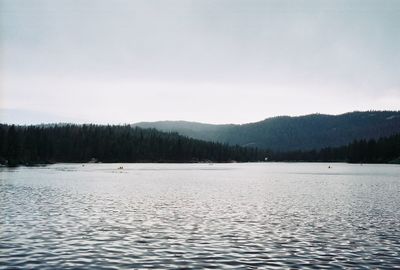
205,162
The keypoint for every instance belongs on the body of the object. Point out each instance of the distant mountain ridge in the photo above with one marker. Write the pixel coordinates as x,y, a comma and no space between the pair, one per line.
287,133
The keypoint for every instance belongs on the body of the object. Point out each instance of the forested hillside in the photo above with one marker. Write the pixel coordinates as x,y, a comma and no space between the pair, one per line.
201,131
82,143
383,150
286,133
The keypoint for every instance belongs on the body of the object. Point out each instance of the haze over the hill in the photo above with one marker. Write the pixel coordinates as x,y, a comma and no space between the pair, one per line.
209,61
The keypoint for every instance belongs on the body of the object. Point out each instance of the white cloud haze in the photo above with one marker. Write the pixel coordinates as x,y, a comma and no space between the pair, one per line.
221,61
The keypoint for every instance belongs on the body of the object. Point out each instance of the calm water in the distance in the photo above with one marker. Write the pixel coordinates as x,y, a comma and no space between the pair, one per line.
260,215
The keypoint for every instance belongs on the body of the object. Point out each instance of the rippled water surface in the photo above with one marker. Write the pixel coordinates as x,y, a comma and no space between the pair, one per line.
246,216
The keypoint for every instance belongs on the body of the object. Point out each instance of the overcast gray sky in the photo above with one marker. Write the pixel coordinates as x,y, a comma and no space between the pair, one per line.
221,61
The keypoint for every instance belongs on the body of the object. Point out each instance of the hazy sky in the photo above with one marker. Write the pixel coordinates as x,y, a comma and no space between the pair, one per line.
220,61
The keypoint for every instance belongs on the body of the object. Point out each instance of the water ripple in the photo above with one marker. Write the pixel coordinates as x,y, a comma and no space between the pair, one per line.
164,216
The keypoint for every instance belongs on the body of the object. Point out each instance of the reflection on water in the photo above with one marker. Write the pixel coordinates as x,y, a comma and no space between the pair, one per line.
200,216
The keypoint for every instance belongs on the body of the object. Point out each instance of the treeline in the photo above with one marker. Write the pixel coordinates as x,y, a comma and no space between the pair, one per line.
82,143
383,150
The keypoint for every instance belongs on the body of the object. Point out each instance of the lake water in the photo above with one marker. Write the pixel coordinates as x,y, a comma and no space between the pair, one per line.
250,216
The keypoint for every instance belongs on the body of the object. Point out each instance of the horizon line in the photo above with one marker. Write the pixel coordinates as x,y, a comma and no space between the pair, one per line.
186,121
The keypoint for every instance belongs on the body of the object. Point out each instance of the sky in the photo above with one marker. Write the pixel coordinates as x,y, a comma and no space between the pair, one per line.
220,61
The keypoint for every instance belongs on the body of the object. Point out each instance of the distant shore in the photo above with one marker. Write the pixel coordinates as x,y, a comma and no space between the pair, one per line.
41,164
31,145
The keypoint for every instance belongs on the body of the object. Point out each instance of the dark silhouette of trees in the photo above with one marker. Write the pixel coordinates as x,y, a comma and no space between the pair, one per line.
383,150
82,143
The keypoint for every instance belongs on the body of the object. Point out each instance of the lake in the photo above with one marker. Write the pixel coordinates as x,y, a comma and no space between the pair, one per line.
247,215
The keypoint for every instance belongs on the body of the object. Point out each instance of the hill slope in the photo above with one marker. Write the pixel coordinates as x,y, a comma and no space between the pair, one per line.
285,133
